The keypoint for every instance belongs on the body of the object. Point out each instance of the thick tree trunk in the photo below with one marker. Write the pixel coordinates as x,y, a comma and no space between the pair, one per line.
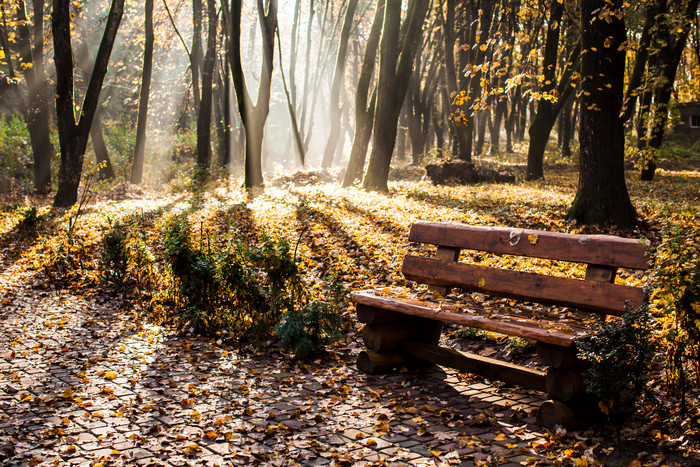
72,134
393,83
196,56
140,146
602,196
364,114
338,78
205,105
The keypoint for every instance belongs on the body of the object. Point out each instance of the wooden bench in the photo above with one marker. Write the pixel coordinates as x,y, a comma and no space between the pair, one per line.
402,328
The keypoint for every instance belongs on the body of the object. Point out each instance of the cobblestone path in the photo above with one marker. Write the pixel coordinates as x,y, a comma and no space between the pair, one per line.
83,383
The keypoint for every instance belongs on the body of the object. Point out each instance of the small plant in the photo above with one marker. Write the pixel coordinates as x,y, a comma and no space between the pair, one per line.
677,298
620,355
309,330
114,253
29,221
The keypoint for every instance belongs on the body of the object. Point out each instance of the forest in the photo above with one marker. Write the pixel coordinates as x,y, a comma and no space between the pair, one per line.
193,193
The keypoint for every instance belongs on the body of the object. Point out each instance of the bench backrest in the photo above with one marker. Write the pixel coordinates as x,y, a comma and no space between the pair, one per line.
602,253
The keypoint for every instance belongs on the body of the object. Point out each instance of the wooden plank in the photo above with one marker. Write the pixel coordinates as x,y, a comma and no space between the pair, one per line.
565,384
552,413
375,363
446,254
388,336
605,250
370,315
586,295
598,273
471,363
429,310
557,357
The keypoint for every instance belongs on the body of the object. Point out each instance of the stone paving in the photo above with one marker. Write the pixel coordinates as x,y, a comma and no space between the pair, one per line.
83,383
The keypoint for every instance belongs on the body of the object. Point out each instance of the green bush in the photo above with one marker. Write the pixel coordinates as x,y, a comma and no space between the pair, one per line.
16,158
250,291
114,256
307,331
677,299
125,258
620,354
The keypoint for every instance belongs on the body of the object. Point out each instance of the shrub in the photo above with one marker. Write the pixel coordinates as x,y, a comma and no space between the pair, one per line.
114,256
677,298
620,355
16,159
125,259
308,330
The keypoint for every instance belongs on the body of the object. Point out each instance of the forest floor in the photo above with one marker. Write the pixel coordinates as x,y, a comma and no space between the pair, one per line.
92,376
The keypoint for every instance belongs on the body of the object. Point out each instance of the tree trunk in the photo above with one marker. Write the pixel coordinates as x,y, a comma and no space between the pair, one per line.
205,105
140,146
545,117
338,78
105,169
196,55
72,134
602,196
458,130
36,114
253,117
668,56
364,114
393,83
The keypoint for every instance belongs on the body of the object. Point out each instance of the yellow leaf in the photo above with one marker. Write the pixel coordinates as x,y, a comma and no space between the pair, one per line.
482,283
110,375
371,442
501,437
532,239
116,452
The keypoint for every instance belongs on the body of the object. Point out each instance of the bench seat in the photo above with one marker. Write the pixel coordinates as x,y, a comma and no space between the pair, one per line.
403,326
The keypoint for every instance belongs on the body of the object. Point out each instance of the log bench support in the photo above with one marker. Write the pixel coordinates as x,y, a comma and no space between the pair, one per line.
401,331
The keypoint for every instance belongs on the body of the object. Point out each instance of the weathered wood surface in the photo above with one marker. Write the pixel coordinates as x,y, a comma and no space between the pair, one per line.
375,363
477,364
605,250
446,254
555,356
565,384
388,336
371,315
552,413
598,273
548,332
588,295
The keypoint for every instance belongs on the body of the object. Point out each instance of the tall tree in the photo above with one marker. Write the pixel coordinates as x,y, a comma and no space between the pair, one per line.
253,116
338,78
205,104
673,24
144,96
73,133
364,113
602,196
35,108
395,67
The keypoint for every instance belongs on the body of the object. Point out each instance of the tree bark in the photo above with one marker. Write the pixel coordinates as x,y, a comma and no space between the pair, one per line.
602,196
140,146
73,134
205,105
364,114
394,75
338,78
545,117
105,170
253,117
37,114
